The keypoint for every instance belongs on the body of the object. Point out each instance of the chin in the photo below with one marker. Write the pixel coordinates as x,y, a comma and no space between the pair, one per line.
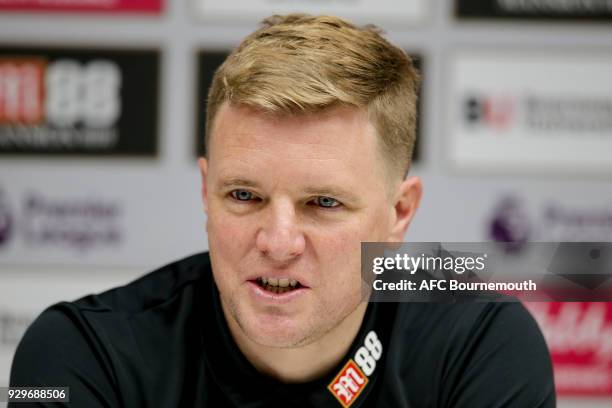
275,331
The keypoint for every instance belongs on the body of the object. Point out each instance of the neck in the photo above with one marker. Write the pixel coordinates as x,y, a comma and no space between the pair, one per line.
304,363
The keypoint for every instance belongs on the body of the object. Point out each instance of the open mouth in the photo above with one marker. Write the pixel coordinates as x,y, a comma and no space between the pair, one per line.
280,285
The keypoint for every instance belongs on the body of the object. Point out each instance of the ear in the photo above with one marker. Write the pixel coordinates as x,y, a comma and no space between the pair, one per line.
407,199
203,164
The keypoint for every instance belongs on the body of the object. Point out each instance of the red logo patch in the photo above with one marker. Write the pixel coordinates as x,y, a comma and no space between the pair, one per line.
348,384
21,91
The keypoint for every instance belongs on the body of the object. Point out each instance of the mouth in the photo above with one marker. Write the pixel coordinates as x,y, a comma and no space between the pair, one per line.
278,285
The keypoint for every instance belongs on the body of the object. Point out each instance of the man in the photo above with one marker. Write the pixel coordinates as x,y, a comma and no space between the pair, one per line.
310,131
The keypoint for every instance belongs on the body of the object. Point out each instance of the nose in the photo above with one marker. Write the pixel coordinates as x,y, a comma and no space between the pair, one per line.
280,237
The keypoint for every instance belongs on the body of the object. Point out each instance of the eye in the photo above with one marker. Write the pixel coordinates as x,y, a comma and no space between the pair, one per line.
242,195
326,202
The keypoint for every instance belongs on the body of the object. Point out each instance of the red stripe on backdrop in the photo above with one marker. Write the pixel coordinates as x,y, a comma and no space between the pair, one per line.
144,6
579,336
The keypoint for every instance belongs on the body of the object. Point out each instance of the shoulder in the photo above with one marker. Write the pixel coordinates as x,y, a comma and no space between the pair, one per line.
92,340
150,290
118,314
478,353
463,320
466,329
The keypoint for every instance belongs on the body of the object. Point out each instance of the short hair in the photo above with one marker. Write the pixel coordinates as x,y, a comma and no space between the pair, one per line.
299,64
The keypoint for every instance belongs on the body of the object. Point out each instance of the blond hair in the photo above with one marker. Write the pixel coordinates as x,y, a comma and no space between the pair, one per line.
299,63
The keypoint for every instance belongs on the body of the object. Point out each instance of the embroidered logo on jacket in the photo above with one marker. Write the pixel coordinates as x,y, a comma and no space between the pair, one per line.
353,377
348,383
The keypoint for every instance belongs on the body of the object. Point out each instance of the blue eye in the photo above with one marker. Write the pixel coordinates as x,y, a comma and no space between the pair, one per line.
242,195
326,202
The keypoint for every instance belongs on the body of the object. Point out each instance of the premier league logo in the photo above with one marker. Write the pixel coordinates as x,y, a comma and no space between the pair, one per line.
510,225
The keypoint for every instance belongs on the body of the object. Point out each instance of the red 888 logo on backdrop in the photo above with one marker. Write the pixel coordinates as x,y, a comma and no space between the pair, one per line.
63,93
79,101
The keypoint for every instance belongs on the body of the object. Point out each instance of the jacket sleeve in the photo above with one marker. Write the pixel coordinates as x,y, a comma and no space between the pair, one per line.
56,352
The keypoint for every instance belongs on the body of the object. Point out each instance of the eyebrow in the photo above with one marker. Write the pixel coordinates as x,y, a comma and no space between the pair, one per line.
333,191
325,190
237,181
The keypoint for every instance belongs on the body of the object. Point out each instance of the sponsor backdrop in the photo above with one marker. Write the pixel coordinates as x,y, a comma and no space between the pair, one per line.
399,13
208,62
579,336
89,6
98,112
576,10
79,101
518,111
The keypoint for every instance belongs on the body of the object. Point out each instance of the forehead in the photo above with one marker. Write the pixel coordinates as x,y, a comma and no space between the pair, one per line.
336,132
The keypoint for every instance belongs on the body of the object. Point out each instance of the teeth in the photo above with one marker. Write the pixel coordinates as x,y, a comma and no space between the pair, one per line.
278,282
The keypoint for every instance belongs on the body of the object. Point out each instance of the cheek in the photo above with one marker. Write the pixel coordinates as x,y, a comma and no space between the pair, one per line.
342,246
227,235
368,227
340,251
